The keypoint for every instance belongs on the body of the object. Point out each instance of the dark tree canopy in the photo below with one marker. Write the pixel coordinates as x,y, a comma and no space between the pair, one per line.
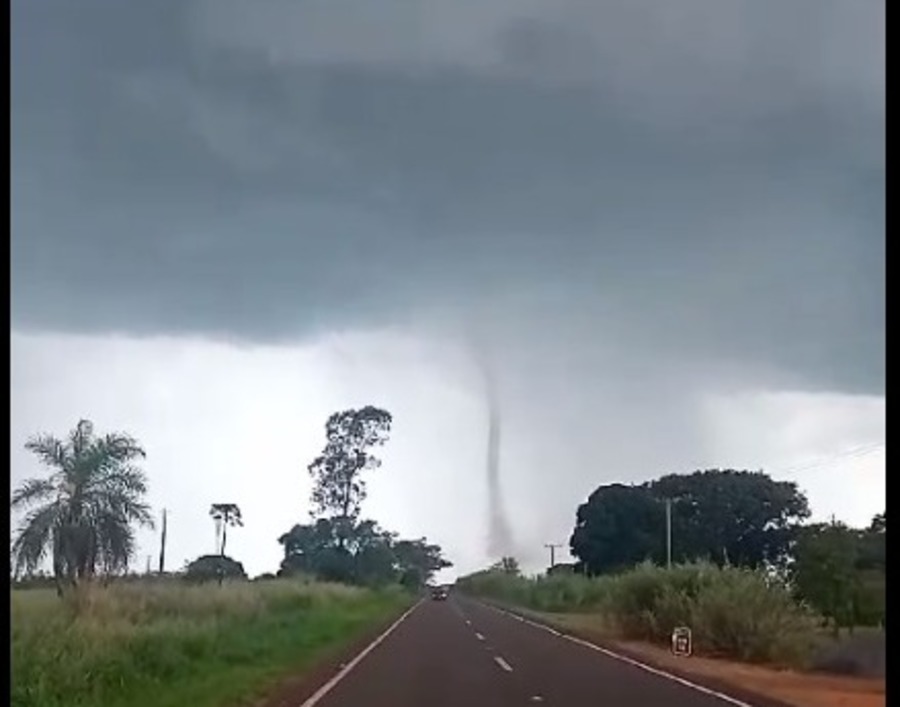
339,488
562,568
209,568
840,571
618,527
873,550
314,549
725,516
878,523
744,518
362,553
507,565
417,561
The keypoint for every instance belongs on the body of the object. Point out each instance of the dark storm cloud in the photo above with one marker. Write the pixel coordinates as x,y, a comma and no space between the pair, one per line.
694,176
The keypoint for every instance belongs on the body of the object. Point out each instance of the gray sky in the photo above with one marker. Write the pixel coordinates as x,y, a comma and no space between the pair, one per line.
643,211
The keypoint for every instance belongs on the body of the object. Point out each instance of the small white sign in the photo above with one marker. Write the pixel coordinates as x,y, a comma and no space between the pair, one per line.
681,641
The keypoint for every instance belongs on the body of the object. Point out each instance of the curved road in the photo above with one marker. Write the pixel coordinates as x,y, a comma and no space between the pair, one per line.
460,653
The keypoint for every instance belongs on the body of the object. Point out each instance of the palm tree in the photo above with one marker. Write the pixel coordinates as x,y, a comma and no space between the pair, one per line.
225,514
82,515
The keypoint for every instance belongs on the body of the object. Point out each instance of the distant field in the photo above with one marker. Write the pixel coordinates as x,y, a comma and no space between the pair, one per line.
167,644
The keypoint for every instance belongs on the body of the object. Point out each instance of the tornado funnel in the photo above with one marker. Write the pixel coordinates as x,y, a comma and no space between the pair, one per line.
500,541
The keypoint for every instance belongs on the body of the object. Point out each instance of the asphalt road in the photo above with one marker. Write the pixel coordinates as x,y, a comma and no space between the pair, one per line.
460,653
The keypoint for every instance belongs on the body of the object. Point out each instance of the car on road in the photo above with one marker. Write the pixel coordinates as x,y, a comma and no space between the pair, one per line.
439,593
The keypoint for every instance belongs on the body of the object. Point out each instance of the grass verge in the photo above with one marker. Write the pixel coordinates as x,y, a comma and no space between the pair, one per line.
166,644
733,613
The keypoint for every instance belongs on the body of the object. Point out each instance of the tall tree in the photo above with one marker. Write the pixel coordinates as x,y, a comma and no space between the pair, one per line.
83,514
226,514
728,517
339,488
617,527
743,518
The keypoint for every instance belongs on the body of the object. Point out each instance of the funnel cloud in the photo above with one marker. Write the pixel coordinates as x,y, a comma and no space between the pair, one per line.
500,540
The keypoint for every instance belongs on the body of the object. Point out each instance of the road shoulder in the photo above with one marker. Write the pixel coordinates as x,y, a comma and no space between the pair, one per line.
755,685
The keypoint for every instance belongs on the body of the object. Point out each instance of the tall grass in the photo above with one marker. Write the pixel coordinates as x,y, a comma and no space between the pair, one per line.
732,612
168,644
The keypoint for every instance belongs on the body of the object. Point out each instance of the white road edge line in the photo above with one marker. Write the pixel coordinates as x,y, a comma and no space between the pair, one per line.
479,636
625,659
331,684
502,663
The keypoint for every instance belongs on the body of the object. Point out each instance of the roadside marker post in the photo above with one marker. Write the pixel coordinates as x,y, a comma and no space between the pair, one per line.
682,641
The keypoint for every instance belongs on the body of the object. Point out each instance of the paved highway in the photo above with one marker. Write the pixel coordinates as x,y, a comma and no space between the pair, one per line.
460,653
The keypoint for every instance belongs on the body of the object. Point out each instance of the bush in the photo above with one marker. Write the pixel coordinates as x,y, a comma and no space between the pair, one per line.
732,612
209,568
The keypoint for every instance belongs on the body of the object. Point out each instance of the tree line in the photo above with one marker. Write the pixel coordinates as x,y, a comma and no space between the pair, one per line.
738,518
85,514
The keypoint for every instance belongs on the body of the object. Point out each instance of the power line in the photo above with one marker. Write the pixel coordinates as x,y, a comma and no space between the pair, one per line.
856,452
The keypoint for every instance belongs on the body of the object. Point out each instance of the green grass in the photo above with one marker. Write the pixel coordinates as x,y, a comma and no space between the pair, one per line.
167,644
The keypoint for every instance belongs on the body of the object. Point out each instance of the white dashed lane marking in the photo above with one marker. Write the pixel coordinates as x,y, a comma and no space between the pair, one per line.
502,663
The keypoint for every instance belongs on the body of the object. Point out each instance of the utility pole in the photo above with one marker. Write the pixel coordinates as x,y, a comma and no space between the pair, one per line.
218,522
552,547
669,533
162,547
